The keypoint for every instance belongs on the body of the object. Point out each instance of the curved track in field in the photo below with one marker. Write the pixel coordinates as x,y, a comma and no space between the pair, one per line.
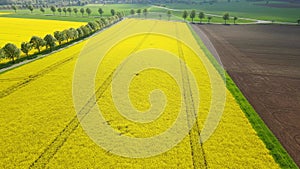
26,80
59,140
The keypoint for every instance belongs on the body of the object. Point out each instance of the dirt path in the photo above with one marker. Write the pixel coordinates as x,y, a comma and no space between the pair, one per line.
264,60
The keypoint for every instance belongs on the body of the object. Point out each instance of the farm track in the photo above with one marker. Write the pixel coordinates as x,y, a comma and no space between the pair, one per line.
197,149
33,77
265,66
25,81
60,139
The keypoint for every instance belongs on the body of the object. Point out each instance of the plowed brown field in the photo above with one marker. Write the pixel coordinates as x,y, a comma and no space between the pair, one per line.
264,62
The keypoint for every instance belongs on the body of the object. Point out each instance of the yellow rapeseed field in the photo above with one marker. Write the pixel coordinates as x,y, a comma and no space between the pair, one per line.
4,13
18,30
39,126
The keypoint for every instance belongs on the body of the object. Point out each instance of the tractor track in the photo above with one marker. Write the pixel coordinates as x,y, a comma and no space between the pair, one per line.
25,81
197,149
62,137
11,89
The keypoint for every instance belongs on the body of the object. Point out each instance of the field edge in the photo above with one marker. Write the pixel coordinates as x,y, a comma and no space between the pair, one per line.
277,151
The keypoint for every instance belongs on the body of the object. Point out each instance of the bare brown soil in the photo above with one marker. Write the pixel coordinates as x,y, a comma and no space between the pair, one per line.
264,62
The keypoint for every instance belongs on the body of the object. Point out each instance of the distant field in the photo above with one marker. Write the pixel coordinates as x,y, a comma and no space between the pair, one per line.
48,15
18,30
245,9
240,9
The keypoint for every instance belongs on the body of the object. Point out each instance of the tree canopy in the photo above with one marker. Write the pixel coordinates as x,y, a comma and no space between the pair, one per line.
11,51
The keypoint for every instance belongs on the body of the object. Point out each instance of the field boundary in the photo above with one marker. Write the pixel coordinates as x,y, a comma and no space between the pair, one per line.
277,151
25,81
27,59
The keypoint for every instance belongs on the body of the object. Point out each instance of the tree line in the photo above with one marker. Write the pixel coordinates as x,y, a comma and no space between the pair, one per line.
145,13
12,52
201,16
65,10
185,14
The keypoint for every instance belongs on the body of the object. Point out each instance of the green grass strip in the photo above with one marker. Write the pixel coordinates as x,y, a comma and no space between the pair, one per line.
279,154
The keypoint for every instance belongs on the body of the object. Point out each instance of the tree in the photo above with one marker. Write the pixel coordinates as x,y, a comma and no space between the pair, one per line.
75,10
14,8
201,16
159,15
145,12
100,11
113,12
104,21
30,7
235,19
59,36
169,13
267,2
100,23
79,32
50,41
94,25
298,21
74,33
53,9
226,17
65,11
88,11
132,12
68,34
1,54
193,15
139,11
26,47
82,11
70,11
59,10
118,15
42,10
86,30
184,15
37,42
11,51
209,18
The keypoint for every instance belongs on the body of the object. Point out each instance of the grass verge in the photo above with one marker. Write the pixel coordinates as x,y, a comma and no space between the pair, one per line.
276,150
